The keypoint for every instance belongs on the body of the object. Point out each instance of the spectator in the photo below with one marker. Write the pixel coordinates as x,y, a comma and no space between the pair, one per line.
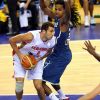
31,5
88,5
43,17
3,17
12,7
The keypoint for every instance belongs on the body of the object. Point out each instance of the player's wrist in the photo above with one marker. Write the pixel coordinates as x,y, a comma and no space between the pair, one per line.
93,52
40,58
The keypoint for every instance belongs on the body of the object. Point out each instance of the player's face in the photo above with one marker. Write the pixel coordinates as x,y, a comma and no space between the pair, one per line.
49,33
59,10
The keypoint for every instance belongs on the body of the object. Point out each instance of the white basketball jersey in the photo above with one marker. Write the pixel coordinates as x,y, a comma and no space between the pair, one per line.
37,47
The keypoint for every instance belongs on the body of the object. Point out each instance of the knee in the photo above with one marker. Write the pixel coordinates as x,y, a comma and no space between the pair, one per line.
56,87
38,86
43,83
19,86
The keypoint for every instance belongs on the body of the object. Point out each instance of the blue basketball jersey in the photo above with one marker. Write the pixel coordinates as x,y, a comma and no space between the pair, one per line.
62,37
61,56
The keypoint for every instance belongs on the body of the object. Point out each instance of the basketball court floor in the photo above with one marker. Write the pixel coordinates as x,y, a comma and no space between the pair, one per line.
80,77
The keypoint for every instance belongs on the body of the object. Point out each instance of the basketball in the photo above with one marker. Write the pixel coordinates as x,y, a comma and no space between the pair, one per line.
28,62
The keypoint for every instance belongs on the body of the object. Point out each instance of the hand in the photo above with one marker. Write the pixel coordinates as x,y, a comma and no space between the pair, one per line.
38,59
22,56
25,6
89,47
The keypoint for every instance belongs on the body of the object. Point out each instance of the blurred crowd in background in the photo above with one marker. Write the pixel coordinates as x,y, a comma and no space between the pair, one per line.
25,15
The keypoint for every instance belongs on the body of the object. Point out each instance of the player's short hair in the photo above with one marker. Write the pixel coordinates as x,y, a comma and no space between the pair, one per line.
60,2
46,25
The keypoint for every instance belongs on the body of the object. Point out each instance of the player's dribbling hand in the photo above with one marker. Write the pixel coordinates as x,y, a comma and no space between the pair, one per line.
22,56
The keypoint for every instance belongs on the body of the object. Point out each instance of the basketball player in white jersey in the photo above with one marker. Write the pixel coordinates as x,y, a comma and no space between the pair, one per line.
38,43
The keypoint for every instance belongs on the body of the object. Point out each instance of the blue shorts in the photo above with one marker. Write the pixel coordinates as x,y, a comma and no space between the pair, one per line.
55,65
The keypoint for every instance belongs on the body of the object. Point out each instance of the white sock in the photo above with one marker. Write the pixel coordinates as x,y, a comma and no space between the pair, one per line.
86,21
86,17
61,94
53,97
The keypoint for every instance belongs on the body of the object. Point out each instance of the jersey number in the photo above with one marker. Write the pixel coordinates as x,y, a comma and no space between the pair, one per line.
38,54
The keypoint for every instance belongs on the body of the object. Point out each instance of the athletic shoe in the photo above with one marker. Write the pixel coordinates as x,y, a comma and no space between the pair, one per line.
92,21
86,23
67,98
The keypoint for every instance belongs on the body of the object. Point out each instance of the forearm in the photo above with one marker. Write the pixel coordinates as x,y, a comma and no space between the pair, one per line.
14,47
28,2
71,3
97,56
42,4
46,55
66,17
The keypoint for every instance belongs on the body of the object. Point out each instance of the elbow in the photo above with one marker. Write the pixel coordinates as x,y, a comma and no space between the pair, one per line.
10,40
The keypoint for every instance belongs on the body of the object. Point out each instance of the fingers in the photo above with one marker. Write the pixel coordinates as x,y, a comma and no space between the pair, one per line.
84,48
90,44
86,44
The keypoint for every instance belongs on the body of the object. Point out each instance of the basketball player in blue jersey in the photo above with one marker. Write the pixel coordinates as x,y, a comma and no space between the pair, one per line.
61,56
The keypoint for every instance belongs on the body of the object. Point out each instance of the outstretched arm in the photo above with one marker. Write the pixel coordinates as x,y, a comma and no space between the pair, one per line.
71,2
91,50
27,4
46,9
91,95
64,21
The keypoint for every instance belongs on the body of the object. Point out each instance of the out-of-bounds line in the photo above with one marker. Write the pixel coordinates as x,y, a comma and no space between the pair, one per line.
35,97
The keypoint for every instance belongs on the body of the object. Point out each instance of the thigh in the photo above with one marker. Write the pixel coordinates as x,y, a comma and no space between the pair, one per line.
37,83
19,71
91,1
37,72
12,4
53,70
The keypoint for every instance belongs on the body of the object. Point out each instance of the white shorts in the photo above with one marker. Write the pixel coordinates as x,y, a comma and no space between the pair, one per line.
35,73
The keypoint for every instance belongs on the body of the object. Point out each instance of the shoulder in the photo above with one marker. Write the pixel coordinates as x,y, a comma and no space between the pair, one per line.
53,38
53,41
35,32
